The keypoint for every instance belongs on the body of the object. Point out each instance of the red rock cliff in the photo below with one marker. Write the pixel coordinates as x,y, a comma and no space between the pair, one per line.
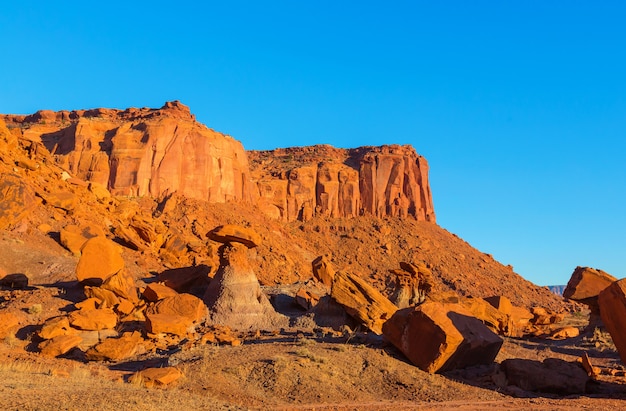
144,151
297,183
153,152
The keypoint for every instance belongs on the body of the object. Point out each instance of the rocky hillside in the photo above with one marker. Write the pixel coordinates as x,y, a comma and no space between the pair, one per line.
144,177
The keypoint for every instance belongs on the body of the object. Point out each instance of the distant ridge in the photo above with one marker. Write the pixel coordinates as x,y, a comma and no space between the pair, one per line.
557,289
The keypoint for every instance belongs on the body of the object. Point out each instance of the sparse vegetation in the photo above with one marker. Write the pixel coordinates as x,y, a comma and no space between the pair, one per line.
35,309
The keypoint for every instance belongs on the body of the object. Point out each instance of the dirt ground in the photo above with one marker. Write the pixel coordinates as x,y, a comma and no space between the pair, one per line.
292,371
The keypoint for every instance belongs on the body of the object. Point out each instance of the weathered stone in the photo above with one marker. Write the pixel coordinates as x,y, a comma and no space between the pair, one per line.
587,283
91,303
122,285
439,336
18,200
500,303
116,349
362,301
64,200
56,326
612,302
584,286
219,334
157,377
552,376
100,259
105,298
93,319
72,240
175,315
234,296
175,245
499,322
564,332
142,232
306,299
94,337
143,152
588,367
157,291
323,271
235,234
99,190
125,307
412,284
59,345
541,316
167,323
298,183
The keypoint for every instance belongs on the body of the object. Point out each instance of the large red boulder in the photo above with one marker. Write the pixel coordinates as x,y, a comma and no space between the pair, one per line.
441,336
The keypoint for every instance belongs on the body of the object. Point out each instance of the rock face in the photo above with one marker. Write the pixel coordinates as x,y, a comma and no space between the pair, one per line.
144,151
17,200
234,296
440,336
298,183
612,303
158,152
413,284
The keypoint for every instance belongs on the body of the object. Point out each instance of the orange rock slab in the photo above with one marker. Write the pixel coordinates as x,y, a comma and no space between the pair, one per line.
115,349
59,345
100,259
235,234
93,320
362,301
157,291
587,283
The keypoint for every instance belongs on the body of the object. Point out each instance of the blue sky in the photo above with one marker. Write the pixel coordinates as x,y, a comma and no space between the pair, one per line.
519,106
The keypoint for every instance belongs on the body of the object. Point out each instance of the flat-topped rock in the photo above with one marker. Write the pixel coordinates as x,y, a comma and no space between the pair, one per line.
235,234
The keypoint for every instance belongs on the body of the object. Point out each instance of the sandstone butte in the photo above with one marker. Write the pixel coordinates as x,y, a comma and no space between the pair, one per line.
157,152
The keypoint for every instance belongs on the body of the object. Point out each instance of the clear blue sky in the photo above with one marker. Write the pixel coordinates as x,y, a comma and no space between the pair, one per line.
519,106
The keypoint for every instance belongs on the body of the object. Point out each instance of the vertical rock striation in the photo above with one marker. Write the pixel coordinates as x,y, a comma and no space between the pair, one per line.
140,152
298,183
155,152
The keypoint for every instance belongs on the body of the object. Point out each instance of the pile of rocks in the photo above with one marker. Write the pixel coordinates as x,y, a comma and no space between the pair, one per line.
118,319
